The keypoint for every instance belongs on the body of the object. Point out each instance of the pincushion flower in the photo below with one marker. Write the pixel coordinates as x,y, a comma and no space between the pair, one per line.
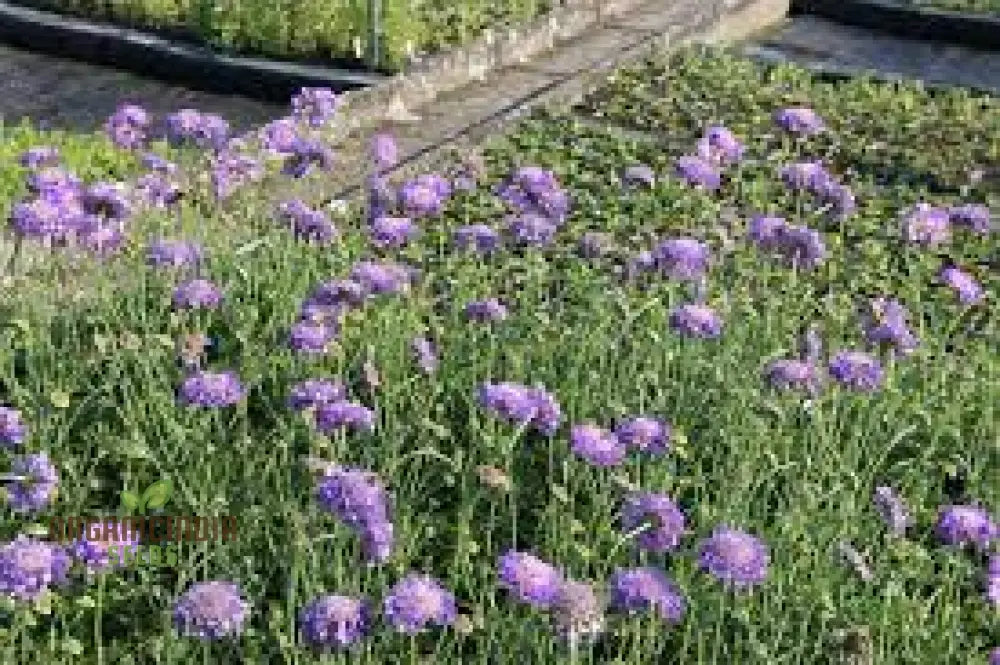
799,120
211,610
683,259
972,216
657,521
381,278
315,106
697,172
342,414
173,253
392,232
962,525
926,225
597,445
477,237
39,157
29,567
734,557
522,405
645,434
335,621
720,146
485,311
197,294
305,222
418,601
529,579
313,392
310,337
424,196
12,427
857,370
128,126
965,286
886,323
212,389
647,590
696,320
535,192
532,229
37,481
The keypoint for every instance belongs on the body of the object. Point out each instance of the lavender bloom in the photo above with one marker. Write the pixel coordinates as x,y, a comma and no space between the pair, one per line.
973,216
12,427
335,621
799,120
857,370
39,157
577,612
197,294
37,485
892,510
664,521
97,554
306,223
379,278
315,105
529,579
697,172
173,253
157,191
55,184
309,337
792,374
417,601
639,175
963,284
313,392
211,610
926,226
597,446
720,146
106,199
424,196
646,434
485,311
44,219
966,525
532,229
888,324
696,320
647,590
477,237
355,496
594,244
807,176
212,389
342,414
735,558
682,258
389,232
29,566
425,354
533,190
231,172
305,155
384,151
127,127
280,136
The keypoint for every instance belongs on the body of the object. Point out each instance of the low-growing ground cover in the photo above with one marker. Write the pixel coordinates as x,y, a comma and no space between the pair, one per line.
970,6
595,356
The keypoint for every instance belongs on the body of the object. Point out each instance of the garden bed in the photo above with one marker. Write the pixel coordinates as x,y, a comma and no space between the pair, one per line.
595,322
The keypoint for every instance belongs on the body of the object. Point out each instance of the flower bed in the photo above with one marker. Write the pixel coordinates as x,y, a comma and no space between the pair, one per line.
585,397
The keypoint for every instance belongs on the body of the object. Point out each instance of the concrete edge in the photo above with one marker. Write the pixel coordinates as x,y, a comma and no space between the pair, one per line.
980,31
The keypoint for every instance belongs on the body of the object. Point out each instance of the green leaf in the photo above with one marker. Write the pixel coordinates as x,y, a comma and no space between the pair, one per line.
130,501
157,494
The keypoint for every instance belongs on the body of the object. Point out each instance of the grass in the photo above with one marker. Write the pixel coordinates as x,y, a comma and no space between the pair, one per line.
96,380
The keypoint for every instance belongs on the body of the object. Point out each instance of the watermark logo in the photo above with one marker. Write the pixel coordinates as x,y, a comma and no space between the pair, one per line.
155,497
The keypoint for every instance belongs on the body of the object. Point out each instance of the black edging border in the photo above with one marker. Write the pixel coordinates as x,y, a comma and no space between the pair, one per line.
153,56
936,25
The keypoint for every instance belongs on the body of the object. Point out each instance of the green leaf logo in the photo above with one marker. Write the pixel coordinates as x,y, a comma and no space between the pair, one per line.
130,501
157,495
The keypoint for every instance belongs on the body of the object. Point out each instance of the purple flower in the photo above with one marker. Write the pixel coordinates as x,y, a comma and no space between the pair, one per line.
800,246
647,590
646,434
792,374
697,172
96,553
309,337
28,567
99,237
307,153
535,191
840,198
993,581
231,172
887,324
892,510
597,446
735,558
330,298
173,253
424,196
963,284
995,656
696,320
335,621
315,105
384,151
484,311
306,223
532,229
682,258
313,392
156,190
425,354
477,237
158,164
577,612
55,184
973,216
211,610
197,294
857,370
509,401
639,175
44,219
12,427
799,120
355,496
212,389
765,231
106,199
389,232
966,525
529,579
807,176
36,486
417,601
926,225
190,125
377,540
343,414
39,157
548,414
280,136
663,521
127,127
379,278
720,146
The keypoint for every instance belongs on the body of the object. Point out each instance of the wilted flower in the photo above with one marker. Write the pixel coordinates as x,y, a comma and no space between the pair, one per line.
389,232
887,324
853,558
647,590
966,525
477,237
28,567
639,175
484,311
799,120
329,299
973,216
36,483
197,294
212,389
735,558
720,146
173,253
12,427
963,284
417,601
697,172
646,434
335,621
309,337
840,198
315,105
342,414
682,258
493,477
211,610
578,612
857,370
230,172
663,521
892,510
313,392
597,445
926,225
529,579
425,354
128,126
696,320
